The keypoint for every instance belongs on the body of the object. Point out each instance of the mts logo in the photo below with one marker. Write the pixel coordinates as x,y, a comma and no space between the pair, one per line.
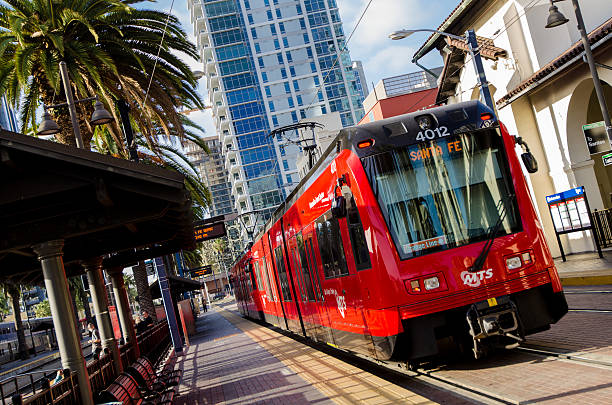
475,279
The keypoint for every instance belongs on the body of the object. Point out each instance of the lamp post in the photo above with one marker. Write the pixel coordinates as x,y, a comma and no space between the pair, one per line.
99,117
555,19
471,41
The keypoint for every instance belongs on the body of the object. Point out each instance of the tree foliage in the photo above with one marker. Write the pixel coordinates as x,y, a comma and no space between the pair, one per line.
110,49
42,309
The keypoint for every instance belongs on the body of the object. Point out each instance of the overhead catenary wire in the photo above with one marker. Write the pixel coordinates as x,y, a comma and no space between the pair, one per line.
516,18
159,48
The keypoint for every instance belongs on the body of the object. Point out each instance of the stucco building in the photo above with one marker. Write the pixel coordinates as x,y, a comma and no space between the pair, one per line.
542,88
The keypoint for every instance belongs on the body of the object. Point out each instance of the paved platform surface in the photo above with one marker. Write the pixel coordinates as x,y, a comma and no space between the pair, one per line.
235,361
586,330
585,269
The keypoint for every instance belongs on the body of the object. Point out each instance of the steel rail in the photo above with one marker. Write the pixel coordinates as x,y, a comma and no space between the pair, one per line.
565,356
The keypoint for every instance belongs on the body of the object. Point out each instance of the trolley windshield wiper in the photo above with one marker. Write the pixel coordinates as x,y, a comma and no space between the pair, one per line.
501,208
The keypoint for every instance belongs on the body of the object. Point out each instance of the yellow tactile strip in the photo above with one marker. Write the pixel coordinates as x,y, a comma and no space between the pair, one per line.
339,381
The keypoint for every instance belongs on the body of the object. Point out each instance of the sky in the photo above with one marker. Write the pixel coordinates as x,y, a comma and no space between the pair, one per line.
381,57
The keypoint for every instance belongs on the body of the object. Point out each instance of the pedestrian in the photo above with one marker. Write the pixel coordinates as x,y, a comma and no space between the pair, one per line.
61,374
96,342
146,319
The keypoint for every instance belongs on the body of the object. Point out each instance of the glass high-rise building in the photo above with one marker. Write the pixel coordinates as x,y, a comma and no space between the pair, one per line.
8,120
270,63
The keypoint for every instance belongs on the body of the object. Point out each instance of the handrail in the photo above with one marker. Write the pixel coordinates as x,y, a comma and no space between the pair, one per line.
152,343
30,373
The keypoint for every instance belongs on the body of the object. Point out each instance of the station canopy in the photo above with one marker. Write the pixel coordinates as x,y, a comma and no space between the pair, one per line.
98,204
178,285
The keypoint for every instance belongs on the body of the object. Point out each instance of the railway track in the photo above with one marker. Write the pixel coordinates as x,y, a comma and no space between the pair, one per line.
431,376
566,356
23,383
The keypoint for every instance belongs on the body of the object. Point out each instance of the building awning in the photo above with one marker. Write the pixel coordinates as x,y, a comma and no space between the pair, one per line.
96,203
178,285
456,23
487,49
599,36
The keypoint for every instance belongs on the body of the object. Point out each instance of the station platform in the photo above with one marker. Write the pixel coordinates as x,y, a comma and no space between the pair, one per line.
231,360
585,269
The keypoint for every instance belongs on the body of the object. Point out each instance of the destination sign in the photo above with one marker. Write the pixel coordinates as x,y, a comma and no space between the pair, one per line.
596,137
204,231
201,271
424,153
607,159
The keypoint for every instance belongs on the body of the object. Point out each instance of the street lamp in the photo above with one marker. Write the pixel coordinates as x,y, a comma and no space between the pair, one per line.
100,115
555,19
471,41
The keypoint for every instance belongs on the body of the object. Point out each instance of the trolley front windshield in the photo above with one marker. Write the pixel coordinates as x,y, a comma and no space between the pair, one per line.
444,193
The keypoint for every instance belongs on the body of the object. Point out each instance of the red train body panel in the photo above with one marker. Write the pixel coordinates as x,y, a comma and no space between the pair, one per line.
382,276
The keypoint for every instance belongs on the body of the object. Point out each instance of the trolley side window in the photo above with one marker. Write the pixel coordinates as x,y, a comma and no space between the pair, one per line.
331,246
258,277
361,253
264,268
313,266
298,273
282,273
306,273
250,270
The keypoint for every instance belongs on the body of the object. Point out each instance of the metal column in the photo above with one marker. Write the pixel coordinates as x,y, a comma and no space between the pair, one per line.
71,107
64,319
123,308
164,286
99,299
591,62
470,37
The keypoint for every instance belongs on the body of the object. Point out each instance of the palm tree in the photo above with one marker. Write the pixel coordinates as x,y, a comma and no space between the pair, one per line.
78,291
14,294
142,289
110,49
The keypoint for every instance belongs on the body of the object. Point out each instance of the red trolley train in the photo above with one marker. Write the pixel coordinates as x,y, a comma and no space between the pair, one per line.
410,233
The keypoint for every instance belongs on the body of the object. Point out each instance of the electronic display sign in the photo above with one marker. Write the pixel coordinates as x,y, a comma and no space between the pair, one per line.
205,231
201,271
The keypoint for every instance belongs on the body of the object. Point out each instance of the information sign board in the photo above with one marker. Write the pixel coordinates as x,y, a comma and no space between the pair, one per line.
607,159
209,230
596,137
570,212
201,271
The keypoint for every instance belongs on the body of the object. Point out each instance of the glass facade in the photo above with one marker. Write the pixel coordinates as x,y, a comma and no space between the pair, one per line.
270,64
8,121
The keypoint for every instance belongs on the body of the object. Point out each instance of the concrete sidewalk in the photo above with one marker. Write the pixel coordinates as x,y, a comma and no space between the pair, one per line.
585,269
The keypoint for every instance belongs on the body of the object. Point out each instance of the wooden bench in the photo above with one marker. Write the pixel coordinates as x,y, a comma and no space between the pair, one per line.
125,389
167,376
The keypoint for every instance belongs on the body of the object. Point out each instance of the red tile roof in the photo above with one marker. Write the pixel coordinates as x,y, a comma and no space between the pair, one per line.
559,63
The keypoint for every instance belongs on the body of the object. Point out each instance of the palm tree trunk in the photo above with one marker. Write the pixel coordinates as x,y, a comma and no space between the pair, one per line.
142,288
75,308
22,350
62,114
86,307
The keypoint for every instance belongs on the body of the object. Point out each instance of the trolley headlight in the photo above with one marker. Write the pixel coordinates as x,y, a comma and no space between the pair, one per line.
519,261
431,283
513,262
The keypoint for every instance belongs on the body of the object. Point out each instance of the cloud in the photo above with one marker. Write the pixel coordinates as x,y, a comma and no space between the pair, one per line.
392,61
370,43
382,17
